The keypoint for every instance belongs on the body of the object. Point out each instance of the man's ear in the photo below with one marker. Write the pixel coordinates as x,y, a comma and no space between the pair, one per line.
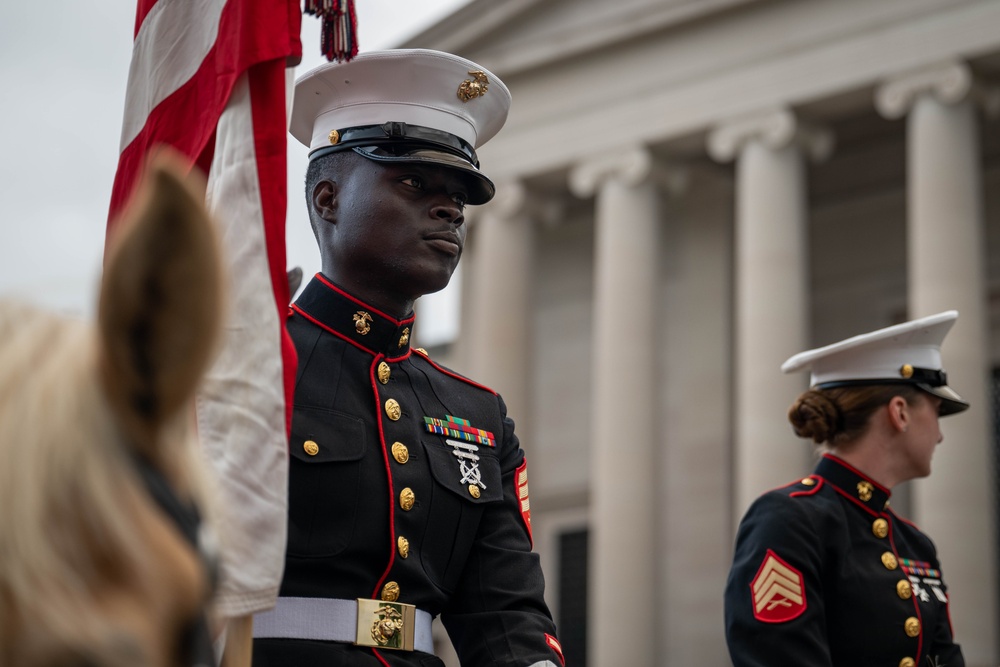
899,413
324,200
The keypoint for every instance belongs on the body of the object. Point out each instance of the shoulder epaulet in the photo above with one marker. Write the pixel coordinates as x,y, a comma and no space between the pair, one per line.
806,486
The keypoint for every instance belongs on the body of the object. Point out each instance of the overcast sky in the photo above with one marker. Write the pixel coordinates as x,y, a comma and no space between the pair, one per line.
63,68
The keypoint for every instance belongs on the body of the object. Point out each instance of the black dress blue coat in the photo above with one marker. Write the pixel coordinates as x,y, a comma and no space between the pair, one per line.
468,552
825,574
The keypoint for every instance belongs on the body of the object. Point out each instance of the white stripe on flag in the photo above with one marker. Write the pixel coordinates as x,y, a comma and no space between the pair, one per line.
241,423
171,45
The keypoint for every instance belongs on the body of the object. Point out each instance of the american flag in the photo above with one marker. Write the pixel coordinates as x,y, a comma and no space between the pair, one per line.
208,77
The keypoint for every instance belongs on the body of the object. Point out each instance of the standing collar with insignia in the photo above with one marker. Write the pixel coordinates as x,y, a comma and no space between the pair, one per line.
350,318
853,483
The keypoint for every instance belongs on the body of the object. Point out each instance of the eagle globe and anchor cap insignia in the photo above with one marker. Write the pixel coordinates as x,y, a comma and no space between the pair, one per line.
474,87
779,594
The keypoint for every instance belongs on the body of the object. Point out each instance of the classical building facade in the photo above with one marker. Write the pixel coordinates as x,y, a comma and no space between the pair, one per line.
690,191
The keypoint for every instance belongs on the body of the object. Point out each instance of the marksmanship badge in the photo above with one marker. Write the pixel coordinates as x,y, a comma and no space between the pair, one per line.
468,461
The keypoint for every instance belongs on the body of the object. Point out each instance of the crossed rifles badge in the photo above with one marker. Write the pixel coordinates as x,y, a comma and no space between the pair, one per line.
464,439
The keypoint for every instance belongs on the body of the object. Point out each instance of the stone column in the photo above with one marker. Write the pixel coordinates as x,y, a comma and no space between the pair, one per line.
771,321
946,245
500,299
623,586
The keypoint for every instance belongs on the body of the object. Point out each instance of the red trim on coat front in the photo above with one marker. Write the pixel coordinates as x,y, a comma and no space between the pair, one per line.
388,477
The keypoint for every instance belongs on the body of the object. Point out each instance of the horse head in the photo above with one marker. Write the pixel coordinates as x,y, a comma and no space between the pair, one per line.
102,558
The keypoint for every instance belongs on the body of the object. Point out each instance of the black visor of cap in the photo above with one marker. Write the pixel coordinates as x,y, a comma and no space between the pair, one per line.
413,144
933,381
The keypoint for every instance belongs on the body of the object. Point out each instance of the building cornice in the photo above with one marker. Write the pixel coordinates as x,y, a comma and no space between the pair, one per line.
462,31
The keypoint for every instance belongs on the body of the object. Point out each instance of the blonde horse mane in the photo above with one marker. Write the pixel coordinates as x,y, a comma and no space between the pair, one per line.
91,571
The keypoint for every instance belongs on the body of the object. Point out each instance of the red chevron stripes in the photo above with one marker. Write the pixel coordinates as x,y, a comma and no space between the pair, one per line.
779,594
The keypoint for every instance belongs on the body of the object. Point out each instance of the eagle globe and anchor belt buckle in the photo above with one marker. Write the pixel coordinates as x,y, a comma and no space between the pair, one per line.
384,624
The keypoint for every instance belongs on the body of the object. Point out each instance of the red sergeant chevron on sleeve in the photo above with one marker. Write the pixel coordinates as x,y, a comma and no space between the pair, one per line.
778,591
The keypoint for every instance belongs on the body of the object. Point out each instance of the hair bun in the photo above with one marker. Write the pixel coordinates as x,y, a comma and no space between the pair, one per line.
815,416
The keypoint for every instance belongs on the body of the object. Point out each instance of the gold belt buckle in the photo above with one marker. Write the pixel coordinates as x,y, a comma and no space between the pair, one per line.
385,624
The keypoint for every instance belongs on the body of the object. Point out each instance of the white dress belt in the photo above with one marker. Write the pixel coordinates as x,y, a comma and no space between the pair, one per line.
326,619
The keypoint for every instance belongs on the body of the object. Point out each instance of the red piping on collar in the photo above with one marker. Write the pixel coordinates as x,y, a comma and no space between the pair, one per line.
336,333
409,320
856,471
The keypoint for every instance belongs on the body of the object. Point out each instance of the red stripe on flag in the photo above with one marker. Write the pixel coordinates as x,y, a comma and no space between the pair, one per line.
243,406
249,33
267,102
142,9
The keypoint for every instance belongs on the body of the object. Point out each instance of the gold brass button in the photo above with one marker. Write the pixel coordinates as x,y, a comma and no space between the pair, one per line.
405,338
906,370
880,527
383,372
907,662
334,137
393,410
312,449
903,589
421,350
473,490
406,499
865,490
889,560
400,452
912,627
390,592
403,545
809,481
